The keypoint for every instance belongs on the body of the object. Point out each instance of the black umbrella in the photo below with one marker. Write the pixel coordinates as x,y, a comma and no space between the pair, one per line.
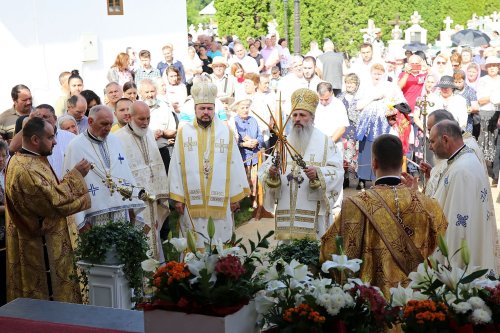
415,46
470,37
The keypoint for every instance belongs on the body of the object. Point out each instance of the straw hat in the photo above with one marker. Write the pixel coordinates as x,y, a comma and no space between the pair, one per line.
218,60
446,81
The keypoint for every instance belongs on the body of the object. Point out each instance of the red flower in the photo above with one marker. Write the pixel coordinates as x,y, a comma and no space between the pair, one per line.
230,267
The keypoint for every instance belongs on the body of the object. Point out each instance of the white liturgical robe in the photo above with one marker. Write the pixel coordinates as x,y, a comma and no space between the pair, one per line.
108,157
301,211
149,173
463,191
207,174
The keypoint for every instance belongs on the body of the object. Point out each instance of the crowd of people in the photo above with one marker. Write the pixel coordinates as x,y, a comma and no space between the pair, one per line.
344,120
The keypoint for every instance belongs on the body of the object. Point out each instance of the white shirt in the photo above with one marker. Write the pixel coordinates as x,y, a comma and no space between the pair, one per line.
248,63
56,160
489,87
455,104
328,119
162,119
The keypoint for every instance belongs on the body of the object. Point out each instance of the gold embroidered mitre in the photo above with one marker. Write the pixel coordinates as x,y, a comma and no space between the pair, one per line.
305,99
204,93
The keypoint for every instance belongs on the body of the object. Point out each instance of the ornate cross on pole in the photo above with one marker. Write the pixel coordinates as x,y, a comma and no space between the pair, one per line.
221,146
190,144
423,104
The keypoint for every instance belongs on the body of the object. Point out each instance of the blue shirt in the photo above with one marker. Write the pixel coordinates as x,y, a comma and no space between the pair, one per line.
248,127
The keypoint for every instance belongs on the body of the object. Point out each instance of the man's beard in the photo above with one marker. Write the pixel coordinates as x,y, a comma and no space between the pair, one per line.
151,102
299,137
141,132
204,123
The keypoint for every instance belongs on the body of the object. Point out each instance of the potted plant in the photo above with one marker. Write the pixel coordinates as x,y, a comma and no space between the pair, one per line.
210,288
115,243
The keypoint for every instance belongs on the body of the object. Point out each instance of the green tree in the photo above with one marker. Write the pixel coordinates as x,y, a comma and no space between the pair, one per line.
193,8
243,18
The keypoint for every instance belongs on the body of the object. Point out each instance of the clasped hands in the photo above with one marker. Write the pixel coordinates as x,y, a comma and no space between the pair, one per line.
248,142
310,172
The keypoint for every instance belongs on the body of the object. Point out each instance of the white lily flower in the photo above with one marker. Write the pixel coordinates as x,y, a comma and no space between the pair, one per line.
205,262
264,303
180,244
422,277
275,285
219,246
400,295
272,272
450,278
341,262
150,265
318,286
297,271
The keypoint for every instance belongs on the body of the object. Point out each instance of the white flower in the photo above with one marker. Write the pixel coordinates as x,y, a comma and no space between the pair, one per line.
318,286
450,278
351,283
462,307
263,303
223,252
421,277
484,283
205,262
341,262
149,265
274,285
297,271
180,244
476,302
400,295
481,316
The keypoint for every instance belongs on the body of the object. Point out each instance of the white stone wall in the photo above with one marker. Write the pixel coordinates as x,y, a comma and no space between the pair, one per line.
41,38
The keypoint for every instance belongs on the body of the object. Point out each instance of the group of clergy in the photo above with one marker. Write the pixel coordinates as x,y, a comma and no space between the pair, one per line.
127,180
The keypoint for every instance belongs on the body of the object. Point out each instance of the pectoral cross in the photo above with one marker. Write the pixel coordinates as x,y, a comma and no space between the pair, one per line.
221,145
190,144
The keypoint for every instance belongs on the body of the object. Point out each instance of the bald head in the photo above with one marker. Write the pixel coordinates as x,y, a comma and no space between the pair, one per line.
140,116
438,116
445,138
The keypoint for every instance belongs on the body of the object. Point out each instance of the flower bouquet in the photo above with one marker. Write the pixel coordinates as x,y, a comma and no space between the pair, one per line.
296,301
216,281
446,298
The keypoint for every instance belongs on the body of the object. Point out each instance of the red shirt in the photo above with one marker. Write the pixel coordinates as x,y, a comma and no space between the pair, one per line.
413,88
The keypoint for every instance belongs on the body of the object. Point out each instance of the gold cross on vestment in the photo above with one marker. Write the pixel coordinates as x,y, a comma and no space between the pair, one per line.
329,174
221,145
190,144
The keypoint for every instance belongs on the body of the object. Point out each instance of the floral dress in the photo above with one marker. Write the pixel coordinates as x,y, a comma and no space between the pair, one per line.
351,145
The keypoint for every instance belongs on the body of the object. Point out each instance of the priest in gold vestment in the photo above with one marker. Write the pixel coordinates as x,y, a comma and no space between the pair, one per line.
39,252
391,227
148,170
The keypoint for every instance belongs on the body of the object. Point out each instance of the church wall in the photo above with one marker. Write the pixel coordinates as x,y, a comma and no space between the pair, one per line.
41,38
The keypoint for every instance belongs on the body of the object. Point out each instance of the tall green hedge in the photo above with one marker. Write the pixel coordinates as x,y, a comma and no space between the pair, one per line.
342,20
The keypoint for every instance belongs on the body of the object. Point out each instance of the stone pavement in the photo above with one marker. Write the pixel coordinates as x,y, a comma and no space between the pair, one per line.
249,229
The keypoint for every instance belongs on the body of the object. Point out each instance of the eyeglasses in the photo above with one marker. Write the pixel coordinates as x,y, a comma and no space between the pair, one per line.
440,63
455,65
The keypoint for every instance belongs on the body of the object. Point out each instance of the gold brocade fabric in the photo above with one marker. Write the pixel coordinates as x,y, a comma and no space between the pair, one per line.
33,193
421,214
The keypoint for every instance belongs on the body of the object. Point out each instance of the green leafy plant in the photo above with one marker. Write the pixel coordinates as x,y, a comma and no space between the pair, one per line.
304,250
130,244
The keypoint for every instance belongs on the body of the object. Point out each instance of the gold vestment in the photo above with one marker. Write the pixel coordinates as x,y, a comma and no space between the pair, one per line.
422,217
36,209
